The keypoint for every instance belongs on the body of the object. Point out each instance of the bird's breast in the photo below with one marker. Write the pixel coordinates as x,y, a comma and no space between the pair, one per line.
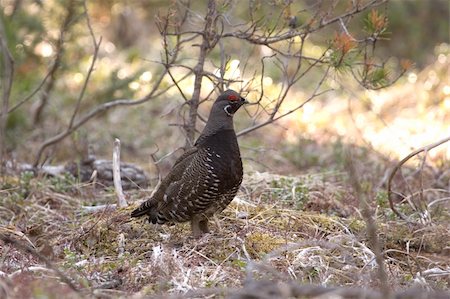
223,158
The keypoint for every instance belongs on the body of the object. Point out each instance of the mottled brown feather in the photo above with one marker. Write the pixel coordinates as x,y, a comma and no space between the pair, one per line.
205,179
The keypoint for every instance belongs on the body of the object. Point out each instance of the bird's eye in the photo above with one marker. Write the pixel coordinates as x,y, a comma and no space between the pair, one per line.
232,97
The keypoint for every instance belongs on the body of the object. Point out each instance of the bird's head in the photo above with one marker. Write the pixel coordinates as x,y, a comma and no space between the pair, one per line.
221,116
228,103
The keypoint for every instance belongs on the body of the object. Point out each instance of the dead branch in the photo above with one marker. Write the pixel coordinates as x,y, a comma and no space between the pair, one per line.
425,149
291,60
121,245
31,95
91,67
274,118
171,55
121,201
99,208
59,50
154,93
266,38
75,124
209,39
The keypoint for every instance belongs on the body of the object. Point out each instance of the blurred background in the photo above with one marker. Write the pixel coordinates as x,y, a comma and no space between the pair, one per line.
382,125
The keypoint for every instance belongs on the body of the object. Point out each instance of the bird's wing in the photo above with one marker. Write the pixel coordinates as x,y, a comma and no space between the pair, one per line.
153,204
188,195
186,156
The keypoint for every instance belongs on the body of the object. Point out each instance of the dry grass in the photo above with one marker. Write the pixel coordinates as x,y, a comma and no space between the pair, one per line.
283,237
302,229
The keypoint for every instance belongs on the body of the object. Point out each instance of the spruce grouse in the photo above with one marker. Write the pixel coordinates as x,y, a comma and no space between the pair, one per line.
205,179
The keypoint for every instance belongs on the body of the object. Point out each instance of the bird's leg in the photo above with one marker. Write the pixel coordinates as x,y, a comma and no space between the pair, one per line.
204,225
195,226
199,226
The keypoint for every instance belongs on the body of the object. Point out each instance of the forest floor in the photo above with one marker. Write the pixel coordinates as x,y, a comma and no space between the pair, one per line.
304,229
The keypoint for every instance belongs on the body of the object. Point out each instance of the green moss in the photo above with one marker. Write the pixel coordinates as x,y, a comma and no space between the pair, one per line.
290,191
416,237
356,225
382,199
258,244
408,277
240,264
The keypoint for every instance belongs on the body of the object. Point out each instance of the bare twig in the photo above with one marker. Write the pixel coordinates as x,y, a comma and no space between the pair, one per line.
121,201
256,32
91,67
262,39
95,209
275,118
121,244
425,149
59,50
223,63
171,55
31,95
154,93
155,162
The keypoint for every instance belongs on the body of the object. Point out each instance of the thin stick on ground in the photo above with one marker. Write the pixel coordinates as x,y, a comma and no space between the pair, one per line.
39,256
95,209
121,201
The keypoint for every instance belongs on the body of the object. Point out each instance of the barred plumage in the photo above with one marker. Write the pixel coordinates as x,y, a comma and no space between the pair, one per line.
205,179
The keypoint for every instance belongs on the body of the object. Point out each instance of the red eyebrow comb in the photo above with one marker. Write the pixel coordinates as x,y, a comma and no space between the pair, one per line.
232,97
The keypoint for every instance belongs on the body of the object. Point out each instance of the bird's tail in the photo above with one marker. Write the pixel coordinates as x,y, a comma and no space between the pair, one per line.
144,209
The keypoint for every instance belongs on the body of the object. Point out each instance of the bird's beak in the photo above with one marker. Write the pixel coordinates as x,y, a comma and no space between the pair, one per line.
244,101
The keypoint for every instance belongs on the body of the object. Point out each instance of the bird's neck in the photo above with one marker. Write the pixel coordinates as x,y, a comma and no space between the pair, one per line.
217,121
221,141
216,129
